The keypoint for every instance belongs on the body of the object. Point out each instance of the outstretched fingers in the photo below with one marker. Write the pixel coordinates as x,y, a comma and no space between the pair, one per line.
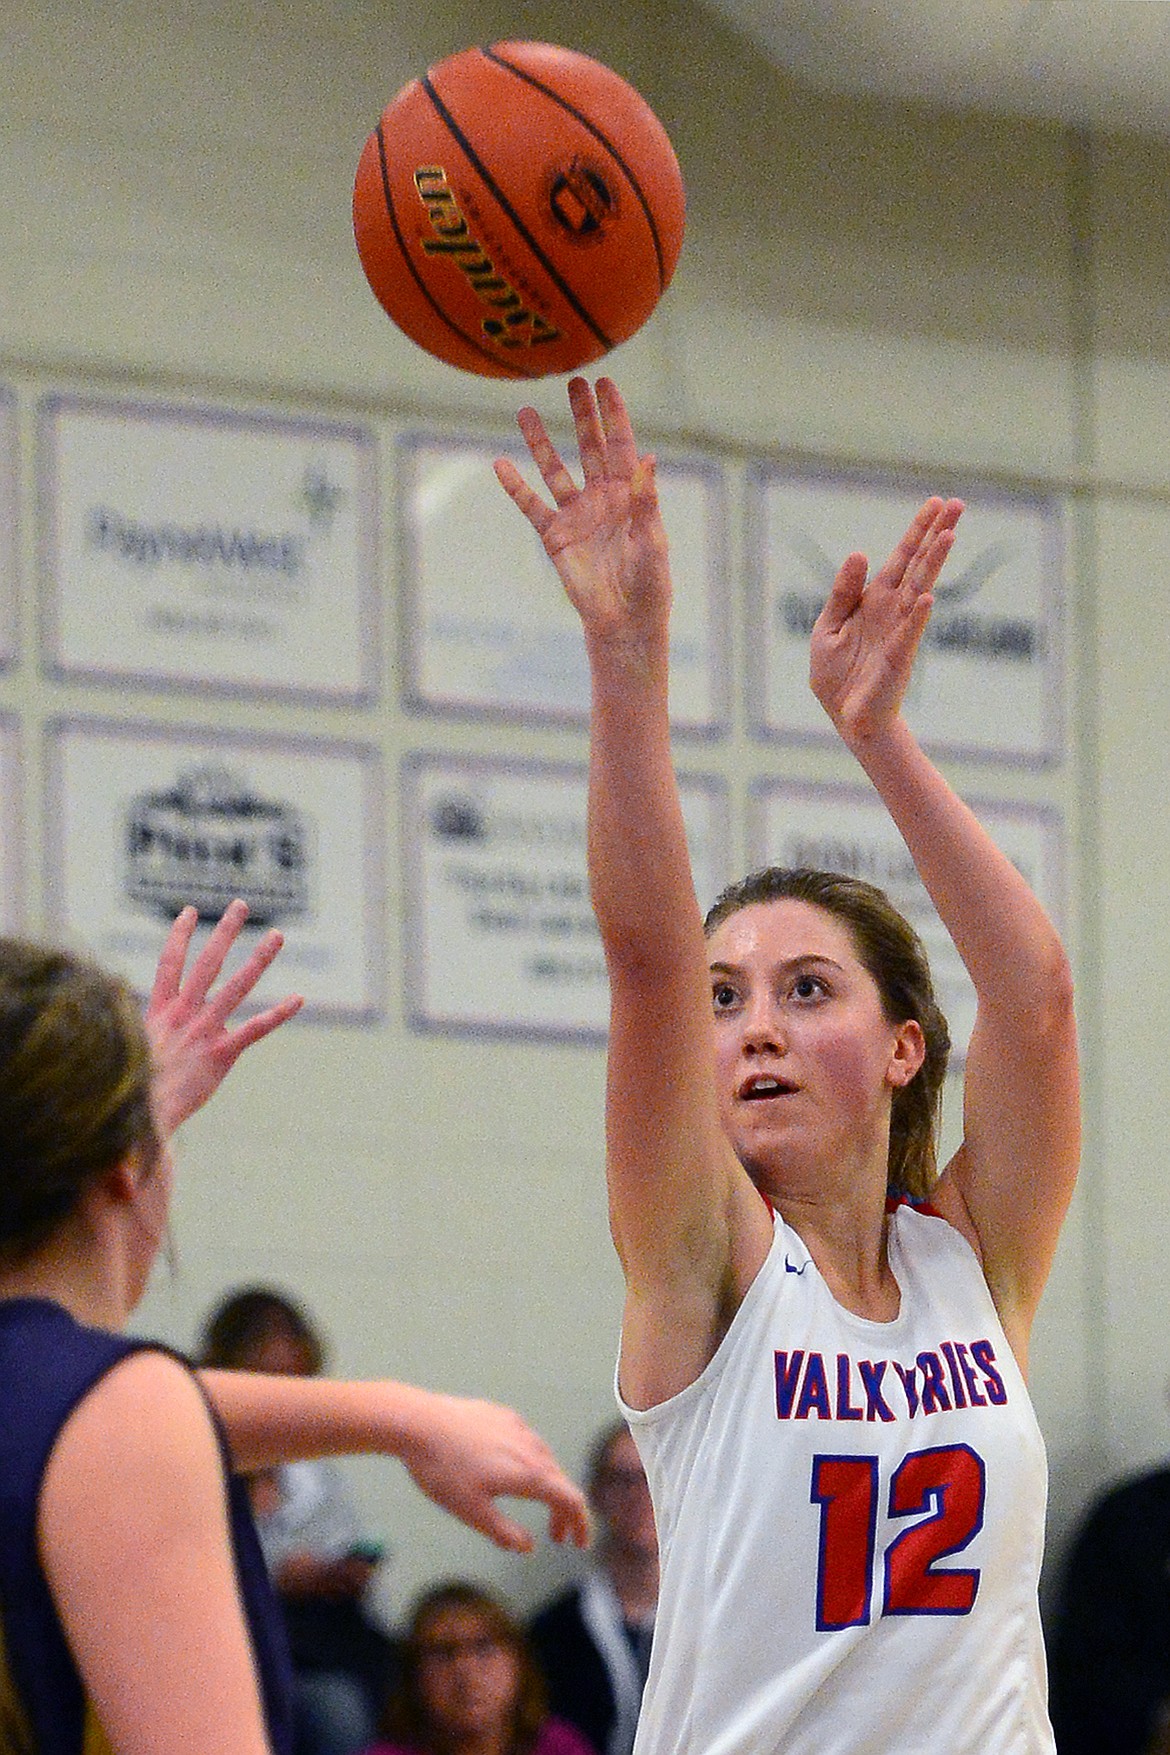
917,532
554,471
239,985
169,973
920,554
620,447
187,1018
262,1024
522,495
212,957
936,545
589,422
605,445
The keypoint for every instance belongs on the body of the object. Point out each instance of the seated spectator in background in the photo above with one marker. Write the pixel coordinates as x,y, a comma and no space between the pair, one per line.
593,1642
319,1559
1110,1650
470,1685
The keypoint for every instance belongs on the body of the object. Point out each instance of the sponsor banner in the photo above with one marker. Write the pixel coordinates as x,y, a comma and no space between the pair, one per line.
488,628
500,935
988,680
145,820
205,548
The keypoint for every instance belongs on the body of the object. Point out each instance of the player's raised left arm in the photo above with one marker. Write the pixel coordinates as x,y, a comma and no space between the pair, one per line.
1009,1185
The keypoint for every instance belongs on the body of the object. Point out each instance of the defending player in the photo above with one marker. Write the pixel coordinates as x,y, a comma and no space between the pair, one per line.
135,1612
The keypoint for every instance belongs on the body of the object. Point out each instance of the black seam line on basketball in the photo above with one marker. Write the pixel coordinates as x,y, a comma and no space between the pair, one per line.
530,79
490,183
484,352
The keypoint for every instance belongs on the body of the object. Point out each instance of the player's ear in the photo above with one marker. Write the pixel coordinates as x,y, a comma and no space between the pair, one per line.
908,1055
122,1182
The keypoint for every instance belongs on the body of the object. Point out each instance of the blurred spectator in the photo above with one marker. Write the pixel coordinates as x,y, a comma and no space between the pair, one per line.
470,1685
1110,1650
593,1641
322,1564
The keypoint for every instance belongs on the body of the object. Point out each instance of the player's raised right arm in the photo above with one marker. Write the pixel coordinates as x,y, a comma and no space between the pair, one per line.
677,1194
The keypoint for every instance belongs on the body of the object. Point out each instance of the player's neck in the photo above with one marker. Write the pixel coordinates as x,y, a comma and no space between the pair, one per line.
849,1245
68,1270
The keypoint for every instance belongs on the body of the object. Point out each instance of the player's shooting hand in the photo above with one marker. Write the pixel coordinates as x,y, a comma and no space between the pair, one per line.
865,638
606,537
187,1022
467,1454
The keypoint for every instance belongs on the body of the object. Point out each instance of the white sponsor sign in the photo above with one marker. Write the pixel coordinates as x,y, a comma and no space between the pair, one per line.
500,935
203,547
144,820
488,626
988,678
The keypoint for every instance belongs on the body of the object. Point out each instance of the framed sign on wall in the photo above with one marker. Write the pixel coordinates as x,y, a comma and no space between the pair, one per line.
989,678
208,549
500,936
487,629
145,820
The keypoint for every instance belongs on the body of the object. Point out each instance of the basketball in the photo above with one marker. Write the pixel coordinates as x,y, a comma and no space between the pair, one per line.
518,210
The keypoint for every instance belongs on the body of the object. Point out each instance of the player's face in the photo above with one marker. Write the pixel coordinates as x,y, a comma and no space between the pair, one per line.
467,1677
806,1060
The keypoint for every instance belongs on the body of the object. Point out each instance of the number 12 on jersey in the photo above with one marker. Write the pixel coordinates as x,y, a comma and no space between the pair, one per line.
943,1488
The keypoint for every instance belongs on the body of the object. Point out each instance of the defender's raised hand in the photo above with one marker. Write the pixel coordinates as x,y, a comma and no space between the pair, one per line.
187,1023
865,638
605,538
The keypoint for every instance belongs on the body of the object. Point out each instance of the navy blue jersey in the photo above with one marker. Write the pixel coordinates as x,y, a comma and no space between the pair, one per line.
48,1363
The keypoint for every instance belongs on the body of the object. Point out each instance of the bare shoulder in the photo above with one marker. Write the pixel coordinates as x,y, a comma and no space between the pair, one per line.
946,1199
673,1327
1015,1314
142,1439
149,1395
135,1538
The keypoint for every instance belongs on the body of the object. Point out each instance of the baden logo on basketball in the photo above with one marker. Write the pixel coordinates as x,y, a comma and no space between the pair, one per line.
517,325
582,200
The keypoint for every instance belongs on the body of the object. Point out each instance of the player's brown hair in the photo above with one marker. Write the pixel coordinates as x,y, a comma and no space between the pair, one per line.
75,1078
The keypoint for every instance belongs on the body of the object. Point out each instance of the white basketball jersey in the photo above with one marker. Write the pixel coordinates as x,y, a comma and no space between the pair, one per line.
851,1521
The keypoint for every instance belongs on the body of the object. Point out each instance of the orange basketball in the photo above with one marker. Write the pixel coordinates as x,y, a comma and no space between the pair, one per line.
518,210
